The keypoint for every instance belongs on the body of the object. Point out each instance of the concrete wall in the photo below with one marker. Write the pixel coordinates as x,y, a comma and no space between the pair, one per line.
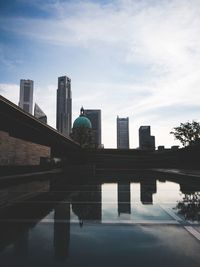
14,151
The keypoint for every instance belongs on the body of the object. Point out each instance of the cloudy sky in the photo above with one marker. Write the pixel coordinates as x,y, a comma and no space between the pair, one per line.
133,58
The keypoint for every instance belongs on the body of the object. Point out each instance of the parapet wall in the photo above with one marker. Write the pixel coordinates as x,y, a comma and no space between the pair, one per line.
15,151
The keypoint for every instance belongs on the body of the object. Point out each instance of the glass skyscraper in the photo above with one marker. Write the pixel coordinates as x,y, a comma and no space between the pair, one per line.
146,140
39,114
94,115
26,95
64,106
122,133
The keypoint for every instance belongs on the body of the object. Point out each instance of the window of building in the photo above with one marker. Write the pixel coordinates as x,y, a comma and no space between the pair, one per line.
26,93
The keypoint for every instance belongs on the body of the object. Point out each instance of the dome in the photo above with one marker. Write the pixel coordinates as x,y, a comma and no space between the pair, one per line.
82,122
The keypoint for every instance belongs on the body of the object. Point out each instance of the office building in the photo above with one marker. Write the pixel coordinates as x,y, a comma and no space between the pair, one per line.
61,230
122,133
94,115
39,114
148,187
64,106
26,95
146,140
124,197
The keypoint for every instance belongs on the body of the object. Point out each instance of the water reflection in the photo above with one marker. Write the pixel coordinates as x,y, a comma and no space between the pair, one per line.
147,189
98,202
86,204
189,207
61,230
124,197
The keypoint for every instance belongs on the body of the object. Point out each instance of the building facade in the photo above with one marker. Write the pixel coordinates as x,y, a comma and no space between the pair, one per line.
124,197
64,106
94,115
39,114
146,140
82,130
26,95
122,133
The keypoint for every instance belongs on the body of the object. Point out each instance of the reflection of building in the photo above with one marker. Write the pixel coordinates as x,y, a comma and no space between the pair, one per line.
87,204
147,189
21,245
64,106
189,188
39,114
62,230
124,197
26,95
146,141
122,133
94,115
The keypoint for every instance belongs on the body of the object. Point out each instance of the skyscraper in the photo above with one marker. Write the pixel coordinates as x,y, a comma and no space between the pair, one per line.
39,114
64,106
122,133
146,141
26,95
124,197
94,115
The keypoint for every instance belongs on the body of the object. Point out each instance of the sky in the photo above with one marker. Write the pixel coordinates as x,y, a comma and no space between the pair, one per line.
132,58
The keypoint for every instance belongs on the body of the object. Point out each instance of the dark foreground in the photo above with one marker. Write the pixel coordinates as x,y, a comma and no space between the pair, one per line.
129,219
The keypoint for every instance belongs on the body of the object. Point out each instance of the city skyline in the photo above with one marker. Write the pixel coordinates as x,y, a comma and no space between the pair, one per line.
134,68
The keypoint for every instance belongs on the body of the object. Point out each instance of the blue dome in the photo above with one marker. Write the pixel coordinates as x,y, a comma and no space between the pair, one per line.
82,122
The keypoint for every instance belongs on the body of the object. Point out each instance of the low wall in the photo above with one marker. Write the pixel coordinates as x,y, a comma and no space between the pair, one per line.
15,151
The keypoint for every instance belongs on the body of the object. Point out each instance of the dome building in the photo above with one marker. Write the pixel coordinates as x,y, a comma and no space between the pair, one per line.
82,121
82,130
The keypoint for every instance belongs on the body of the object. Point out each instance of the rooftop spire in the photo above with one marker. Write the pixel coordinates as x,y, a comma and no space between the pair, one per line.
82,112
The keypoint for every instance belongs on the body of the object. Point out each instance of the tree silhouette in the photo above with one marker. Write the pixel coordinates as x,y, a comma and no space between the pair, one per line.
187,133
83,136
189,207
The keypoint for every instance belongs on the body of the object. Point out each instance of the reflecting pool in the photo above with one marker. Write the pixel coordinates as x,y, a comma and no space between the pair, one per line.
109,220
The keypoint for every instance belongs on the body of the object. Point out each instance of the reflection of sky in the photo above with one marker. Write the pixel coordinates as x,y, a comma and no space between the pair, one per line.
167,193
109,201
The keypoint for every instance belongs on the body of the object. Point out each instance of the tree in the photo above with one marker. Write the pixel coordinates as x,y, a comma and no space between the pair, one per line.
189,207
83,136
187,133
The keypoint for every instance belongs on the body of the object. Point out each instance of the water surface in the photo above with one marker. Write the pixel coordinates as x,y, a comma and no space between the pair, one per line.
103,221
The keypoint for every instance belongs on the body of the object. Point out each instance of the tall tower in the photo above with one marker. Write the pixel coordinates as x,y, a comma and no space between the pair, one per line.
94,115
122,133
64,106
146,140
26,95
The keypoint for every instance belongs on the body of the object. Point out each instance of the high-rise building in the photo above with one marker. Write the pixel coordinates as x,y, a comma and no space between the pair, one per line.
39,114
122,133
64,106
26,95
146,140
147,189
94,115
124,197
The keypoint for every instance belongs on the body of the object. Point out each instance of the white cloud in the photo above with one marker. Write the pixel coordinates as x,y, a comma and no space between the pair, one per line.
162,38
10,91
165,33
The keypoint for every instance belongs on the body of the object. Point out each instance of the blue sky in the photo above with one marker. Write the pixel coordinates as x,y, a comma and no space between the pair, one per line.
132,58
